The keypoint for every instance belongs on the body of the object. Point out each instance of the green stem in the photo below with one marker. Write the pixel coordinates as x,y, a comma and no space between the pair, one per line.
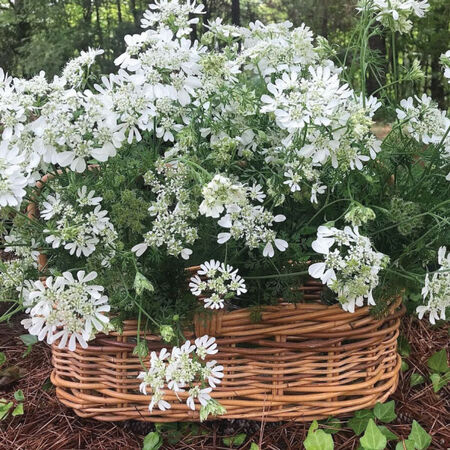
280,275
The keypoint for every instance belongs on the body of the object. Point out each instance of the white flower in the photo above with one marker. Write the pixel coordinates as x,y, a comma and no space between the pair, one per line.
395,14
87,198
182,368
436,290
219,193
215,281
12,179
74,70
206,346
66,309
351,268
445,61
213,373
202,395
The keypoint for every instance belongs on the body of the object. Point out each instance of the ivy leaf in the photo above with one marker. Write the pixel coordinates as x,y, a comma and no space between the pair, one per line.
152,441
439,381
332,425
390,436
234,441
18,410
405,366
385,412
359,422
403,346
29,340
18,395
254,446
5,406
416,379
2,358
438,362
419,436
373,438
405,445
318,439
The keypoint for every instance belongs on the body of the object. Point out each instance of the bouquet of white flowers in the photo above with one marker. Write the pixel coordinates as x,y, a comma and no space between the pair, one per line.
231,153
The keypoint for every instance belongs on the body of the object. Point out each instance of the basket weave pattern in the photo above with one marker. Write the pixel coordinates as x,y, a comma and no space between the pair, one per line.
298,362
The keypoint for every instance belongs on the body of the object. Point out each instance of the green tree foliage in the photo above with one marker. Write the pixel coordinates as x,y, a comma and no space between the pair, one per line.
43,34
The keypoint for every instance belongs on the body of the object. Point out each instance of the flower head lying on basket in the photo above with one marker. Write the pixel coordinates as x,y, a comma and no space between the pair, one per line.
66,309
215,282
183,369
351,265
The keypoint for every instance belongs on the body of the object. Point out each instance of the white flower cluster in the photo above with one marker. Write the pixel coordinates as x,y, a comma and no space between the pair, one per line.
426,123
184,368
172,13
276,48
243,219
47,123
396,14
13,271
436,291
75,70
65,308
215,282
79,228
172,211
350,268
445,61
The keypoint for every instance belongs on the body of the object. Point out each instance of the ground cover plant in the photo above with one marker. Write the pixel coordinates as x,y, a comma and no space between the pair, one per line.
247,154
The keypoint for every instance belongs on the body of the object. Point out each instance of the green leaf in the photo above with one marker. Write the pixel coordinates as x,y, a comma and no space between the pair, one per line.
234,441
405,445
419,436
18,395
332,425
141,349
438,362
373,438
18,410
28,339
5,406
385,412
47,385
416,379
390,436
404,366
254,446
2,358
403,346
439,381
152,441
142,283
318,439
359,422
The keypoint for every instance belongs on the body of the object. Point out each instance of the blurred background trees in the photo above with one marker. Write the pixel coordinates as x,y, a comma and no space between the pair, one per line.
42,34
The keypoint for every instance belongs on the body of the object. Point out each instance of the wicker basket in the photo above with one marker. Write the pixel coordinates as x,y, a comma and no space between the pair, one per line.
298,362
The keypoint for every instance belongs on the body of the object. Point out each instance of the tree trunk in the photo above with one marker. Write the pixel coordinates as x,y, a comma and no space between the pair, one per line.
87,11
235,12
325,19
119,11
436,87
134,13
98,23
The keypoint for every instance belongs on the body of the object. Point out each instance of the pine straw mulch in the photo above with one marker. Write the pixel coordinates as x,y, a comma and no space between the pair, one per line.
47,425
